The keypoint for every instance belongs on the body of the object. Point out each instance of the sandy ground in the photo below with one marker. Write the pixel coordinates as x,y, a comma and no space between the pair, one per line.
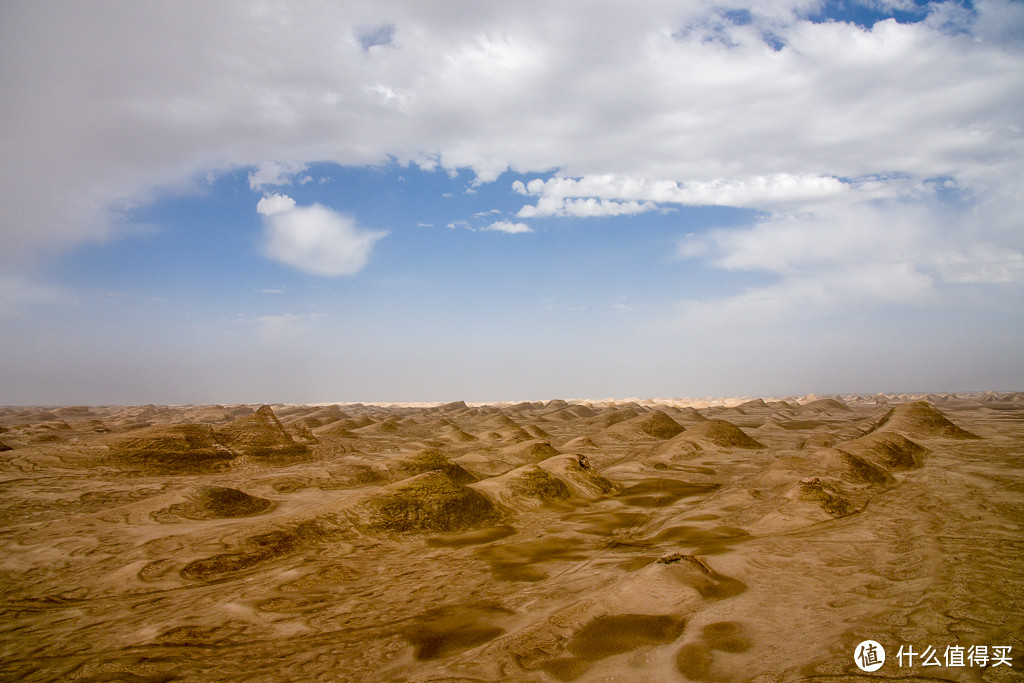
545,541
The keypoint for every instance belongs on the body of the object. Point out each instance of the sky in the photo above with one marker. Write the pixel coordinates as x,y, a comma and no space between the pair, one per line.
312,201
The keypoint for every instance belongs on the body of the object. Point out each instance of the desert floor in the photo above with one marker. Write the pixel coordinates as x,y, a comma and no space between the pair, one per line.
546,541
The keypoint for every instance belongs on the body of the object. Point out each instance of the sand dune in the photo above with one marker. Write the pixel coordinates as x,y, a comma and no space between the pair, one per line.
754,539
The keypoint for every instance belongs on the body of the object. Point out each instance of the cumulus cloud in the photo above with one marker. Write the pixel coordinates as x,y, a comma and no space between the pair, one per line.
314,239
509,227
275,203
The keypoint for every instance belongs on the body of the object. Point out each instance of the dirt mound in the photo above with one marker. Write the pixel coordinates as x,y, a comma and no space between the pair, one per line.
755,404
533,451
264,547
388,427
652,425
831,501
215,502
577,472
260,435
454,432
889,449
427,502
721,433
618,416
324,416
826,405
534,482
336,429
581,411
920,419
688,414
174,449
530,482
537,432
850,468
431,460
506,428
579,442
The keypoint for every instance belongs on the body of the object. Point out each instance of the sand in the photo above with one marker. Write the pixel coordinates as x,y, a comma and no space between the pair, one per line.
755,539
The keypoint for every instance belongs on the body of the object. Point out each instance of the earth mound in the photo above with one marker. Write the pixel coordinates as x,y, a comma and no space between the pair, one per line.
175,449
529,482
260,435
215,502
264,547
578,473
534,482
580,442
721,433
388,427
851,468
652,425
618,416
336,428
688,414
534,451
826,405
889,449
430,460
427,502
831,501
324,416
920,419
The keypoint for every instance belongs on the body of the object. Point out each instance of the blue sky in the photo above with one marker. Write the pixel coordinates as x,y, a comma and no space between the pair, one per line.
372,202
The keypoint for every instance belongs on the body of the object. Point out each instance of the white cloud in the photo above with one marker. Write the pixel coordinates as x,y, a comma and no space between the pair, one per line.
274,173
509,227
613,195
584,208
851,259
275,203
314,238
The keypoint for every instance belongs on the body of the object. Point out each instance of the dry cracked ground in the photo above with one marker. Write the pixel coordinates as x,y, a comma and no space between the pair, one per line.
546,541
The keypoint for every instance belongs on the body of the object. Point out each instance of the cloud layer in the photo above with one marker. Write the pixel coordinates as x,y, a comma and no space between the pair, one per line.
678,99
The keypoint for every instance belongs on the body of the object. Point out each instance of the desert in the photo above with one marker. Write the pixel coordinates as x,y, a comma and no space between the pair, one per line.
638,540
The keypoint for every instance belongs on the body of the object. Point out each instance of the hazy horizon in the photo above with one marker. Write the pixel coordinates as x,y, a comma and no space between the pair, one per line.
384,202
